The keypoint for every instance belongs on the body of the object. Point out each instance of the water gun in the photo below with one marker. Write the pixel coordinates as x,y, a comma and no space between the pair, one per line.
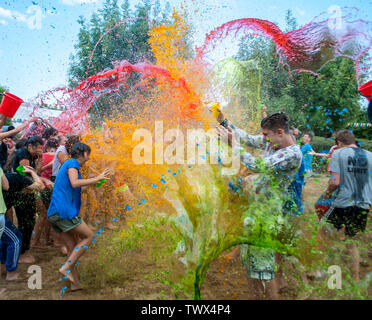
215,112
20,170
100,183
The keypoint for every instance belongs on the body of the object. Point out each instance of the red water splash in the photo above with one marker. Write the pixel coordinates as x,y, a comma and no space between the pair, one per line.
308,48
77,102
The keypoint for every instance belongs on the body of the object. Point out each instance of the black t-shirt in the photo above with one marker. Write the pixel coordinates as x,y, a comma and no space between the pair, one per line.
3,154
23,154
16,184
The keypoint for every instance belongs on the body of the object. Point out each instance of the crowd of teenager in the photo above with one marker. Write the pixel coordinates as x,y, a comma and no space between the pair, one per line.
37,199
41,187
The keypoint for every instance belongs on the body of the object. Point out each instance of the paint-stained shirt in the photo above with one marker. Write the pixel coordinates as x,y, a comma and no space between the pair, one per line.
354,165
308,158
285,161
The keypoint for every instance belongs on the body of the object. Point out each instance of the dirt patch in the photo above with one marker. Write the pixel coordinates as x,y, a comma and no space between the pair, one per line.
226,280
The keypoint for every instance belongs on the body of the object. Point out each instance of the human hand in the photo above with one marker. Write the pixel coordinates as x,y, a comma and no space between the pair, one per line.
217,113
105,174
226,135
33,119
29,169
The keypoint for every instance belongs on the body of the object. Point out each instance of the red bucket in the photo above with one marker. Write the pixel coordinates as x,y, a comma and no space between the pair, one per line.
366,90
10,105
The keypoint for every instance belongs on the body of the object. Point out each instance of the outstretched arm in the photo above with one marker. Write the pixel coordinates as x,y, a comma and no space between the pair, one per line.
255,141
78,183
4,135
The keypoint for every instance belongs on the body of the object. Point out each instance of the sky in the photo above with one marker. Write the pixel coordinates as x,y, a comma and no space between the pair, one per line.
38,37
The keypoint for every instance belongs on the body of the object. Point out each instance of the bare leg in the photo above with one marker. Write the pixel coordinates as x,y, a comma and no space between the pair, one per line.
257,288
355,260
13,276
39,227
271,289
9,214
86,234
280,275
38,230
2,270
26,257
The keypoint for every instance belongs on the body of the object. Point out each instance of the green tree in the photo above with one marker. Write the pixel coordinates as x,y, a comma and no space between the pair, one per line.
2,90
127,41
320,104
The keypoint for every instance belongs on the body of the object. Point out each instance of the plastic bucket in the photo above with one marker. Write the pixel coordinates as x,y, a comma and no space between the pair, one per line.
366,90
10,105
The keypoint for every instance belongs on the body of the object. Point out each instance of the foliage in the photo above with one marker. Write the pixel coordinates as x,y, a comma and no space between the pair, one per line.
2,90
322,104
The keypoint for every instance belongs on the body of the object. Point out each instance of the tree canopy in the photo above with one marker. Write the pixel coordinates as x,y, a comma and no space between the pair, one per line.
319,104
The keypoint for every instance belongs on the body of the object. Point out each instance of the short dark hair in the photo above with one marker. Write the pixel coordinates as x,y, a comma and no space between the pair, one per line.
34,141
71,140
276,121
310,135
21,143
78,150
52,143
49,132
346,137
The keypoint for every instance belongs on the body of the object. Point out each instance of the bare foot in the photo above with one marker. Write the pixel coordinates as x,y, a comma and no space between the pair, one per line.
13,276
64,250
67,273
76,286
38,245
25,258
2,290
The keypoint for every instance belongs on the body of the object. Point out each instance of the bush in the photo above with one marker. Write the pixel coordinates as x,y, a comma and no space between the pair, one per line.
321,144
365,144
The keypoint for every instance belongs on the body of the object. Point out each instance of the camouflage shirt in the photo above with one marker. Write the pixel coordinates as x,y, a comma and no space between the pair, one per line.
285,161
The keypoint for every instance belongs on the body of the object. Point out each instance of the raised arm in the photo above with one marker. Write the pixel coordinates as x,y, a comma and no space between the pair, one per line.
4,135
38,183
3,119
78,183
255,141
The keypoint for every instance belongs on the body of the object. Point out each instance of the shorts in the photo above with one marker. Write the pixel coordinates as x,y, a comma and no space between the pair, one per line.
353,218
259,262
63,225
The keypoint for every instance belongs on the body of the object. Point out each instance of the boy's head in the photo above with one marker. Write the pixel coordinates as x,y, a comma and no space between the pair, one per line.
307,138
51,145
34,145
62,140
49,133
71,140
275,128
345,138
80,151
